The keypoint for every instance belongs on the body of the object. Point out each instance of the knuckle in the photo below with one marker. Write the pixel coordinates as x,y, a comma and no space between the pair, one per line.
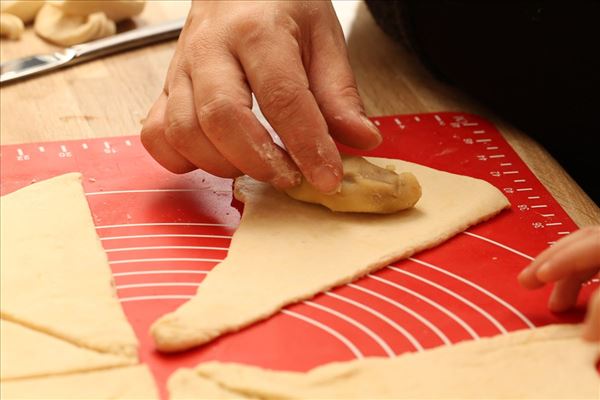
149,135
215,109
251,30
178,131
282,97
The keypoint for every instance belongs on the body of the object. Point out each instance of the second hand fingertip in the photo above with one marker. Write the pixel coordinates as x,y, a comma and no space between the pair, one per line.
377,138
543,271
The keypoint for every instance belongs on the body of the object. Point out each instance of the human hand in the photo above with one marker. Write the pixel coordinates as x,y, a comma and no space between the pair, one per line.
292,56
572,261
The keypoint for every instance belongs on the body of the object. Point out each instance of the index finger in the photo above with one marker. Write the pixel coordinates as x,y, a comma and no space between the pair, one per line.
276,74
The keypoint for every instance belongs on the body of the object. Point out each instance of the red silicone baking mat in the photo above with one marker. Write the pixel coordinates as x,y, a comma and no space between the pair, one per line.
163,233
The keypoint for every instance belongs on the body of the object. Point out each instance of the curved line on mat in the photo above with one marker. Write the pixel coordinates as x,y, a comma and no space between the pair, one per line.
166,236
382,317
351,346
143,260
505,247
408,310
457,296
432,303
145,191
161,284
156,297
386,347
165,248
160,272
163,224
510,307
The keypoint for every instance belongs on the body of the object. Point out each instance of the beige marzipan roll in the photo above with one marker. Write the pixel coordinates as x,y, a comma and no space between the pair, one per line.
11,26
366,188
117,10
66,30
24,9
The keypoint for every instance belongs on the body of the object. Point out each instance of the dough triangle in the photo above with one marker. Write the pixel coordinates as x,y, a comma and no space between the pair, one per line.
55,276
547,363
286,251
26,353
125,383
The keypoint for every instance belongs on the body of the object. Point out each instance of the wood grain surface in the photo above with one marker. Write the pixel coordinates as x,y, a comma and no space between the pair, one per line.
110,97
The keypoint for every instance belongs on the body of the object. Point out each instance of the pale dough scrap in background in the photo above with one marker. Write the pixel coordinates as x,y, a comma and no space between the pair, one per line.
547,363
285,250
54,273
66,30
26,353
125,383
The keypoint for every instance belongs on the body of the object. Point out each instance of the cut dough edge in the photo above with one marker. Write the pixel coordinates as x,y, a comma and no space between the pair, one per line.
548,362
86,311
126,383
47,355
215,311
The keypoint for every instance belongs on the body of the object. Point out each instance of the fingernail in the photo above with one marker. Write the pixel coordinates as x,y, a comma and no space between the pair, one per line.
325,179
373,128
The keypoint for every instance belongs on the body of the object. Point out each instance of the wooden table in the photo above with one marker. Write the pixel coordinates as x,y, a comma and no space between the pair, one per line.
110,97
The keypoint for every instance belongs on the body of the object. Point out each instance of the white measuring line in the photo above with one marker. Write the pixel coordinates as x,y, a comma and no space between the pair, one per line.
492,148
497,156
146,260
377,314
386,348
524,189
564,233
539,206
547,215
479,132
519,180
162,284
406,309
518,313
533,197
146,191
166,236
161,272
164,224
351,346
457,296
505,247
483,140
505,164
553,223
510,172
166,248
156,297
427,300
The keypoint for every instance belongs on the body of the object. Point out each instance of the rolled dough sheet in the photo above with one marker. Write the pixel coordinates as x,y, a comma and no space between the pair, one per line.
547,363
285,251
26,353
186,384
55,276
125,383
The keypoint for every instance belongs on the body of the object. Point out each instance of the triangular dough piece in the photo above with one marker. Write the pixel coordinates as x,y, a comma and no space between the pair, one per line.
285,251
126,383
547,363
186,384
25,353
55,276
